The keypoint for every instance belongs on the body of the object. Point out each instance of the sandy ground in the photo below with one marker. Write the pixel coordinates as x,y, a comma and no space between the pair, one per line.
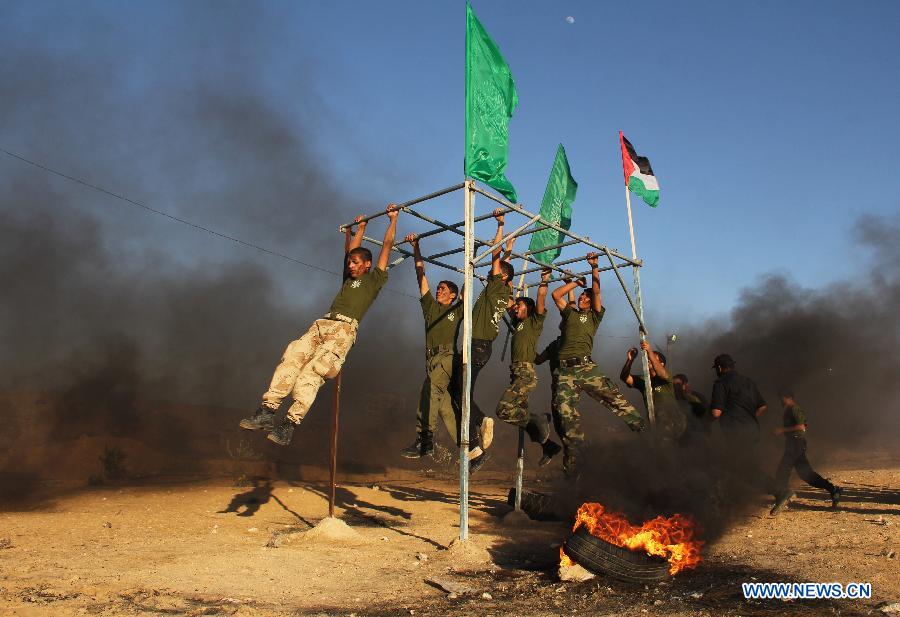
188,546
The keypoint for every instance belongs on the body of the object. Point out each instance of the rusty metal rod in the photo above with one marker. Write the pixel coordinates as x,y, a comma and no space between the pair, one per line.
405,204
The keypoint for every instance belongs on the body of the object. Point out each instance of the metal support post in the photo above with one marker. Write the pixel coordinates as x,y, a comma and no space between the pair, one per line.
639,311
520,468
468,292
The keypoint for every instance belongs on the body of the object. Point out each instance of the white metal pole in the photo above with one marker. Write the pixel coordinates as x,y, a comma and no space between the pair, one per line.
468,292
648,386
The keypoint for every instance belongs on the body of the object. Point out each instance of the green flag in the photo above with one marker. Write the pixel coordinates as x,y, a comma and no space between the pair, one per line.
490,100
556,207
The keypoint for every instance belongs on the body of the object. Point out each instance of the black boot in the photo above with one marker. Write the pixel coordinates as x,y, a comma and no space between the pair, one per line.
538,428
262,420
781,502
476,463
549,449
282,433
836,496
423,446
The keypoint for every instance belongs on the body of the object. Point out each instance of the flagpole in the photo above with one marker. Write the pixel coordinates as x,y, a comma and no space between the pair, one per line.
648,386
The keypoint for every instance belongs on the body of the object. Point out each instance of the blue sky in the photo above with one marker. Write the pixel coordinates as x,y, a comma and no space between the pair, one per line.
770,125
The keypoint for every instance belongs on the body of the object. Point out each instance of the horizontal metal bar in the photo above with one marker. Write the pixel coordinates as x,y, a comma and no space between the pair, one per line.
406,204
572,275
565,262
444,226
583,240
552,246
491,248
406,254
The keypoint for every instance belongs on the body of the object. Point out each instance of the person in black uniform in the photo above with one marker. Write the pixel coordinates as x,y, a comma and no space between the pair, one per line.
794,431
737,404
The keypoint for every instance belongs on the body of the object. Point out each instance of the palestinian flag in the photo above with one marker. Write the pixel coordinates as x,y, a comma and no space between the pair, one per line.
639,176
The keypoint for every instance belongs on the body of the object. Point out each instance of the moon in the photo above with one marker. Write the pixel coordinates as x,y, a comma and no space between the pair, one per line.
570,19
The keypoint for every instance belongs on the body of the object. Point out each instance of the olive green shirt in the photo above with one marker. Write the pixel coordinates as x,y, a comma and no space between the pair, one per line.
663,391
442,322
489,308
357,295
793,416
578,330
525,339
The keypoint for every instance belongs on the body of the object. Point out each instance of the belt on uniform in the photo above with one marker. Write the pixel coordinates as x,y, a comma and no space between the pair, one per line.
339,317
579,361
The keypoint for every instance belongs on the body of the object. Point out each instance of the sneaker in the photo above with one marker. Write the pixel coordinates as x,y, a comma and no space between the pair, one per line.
423,446
262,420
550,449
487,432
476,463
282,433
836,497
781,502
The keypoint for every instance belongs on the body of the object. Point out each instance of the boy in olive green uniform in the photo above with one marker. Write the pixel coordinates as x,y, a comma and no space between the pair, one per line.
794,431
320,353
577,371
487,312
443,316
551,356
671,421
528,323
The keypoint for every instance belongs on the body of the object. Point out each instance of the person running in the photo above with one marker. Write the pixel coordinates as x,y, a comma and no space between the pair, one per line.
528,323
443,315
793,428
320,353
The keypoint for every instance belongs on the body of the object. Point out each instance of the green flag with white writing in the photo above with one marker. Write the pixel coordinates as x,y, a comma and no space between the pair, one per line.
490,100
556,208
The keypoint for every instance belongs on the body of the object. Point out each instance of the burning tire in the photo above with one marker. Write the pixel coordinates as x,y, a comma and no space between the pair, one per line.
601,557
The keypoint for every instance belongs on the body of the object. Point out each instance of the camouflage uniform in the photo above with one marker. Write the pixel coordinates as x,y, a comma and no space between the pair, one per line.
513,405
577,373
320,353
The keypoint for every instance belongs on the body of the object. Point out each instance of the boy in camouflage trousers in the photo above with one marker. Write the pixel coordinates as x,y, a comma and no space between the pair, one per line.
320,353
443,315
528,323
578,372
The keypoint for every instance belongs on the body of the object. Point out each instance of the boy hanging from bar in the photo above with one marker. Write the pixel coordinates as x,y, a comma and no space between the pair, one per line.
671,421
320,353
578,372
487,312
443,316
528,323
551,356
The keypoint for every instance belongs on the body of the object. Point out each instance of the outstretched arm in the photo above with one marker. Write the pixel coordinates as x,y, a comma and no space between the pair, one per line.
625,374
392,211
596,301
497,253
356,240
540,307
560,292
654,361
420,264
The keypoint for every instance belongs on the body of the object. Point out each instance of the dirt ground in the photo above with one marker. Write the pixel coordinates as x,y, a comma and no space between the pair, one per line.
199,546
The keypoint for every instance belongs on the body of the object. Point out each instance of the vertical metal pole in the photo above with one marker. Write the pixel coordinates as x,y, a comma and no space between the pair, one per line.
334,440
468,292
648,386
520,468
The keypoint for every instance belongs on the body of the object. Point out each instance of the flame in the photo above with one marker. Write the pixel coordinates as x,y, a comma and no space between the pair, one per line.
673,538
564,561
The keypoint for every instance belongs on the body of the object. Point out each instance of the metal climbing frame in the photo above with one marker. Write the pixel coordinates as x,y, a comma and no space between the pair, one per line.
471,261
